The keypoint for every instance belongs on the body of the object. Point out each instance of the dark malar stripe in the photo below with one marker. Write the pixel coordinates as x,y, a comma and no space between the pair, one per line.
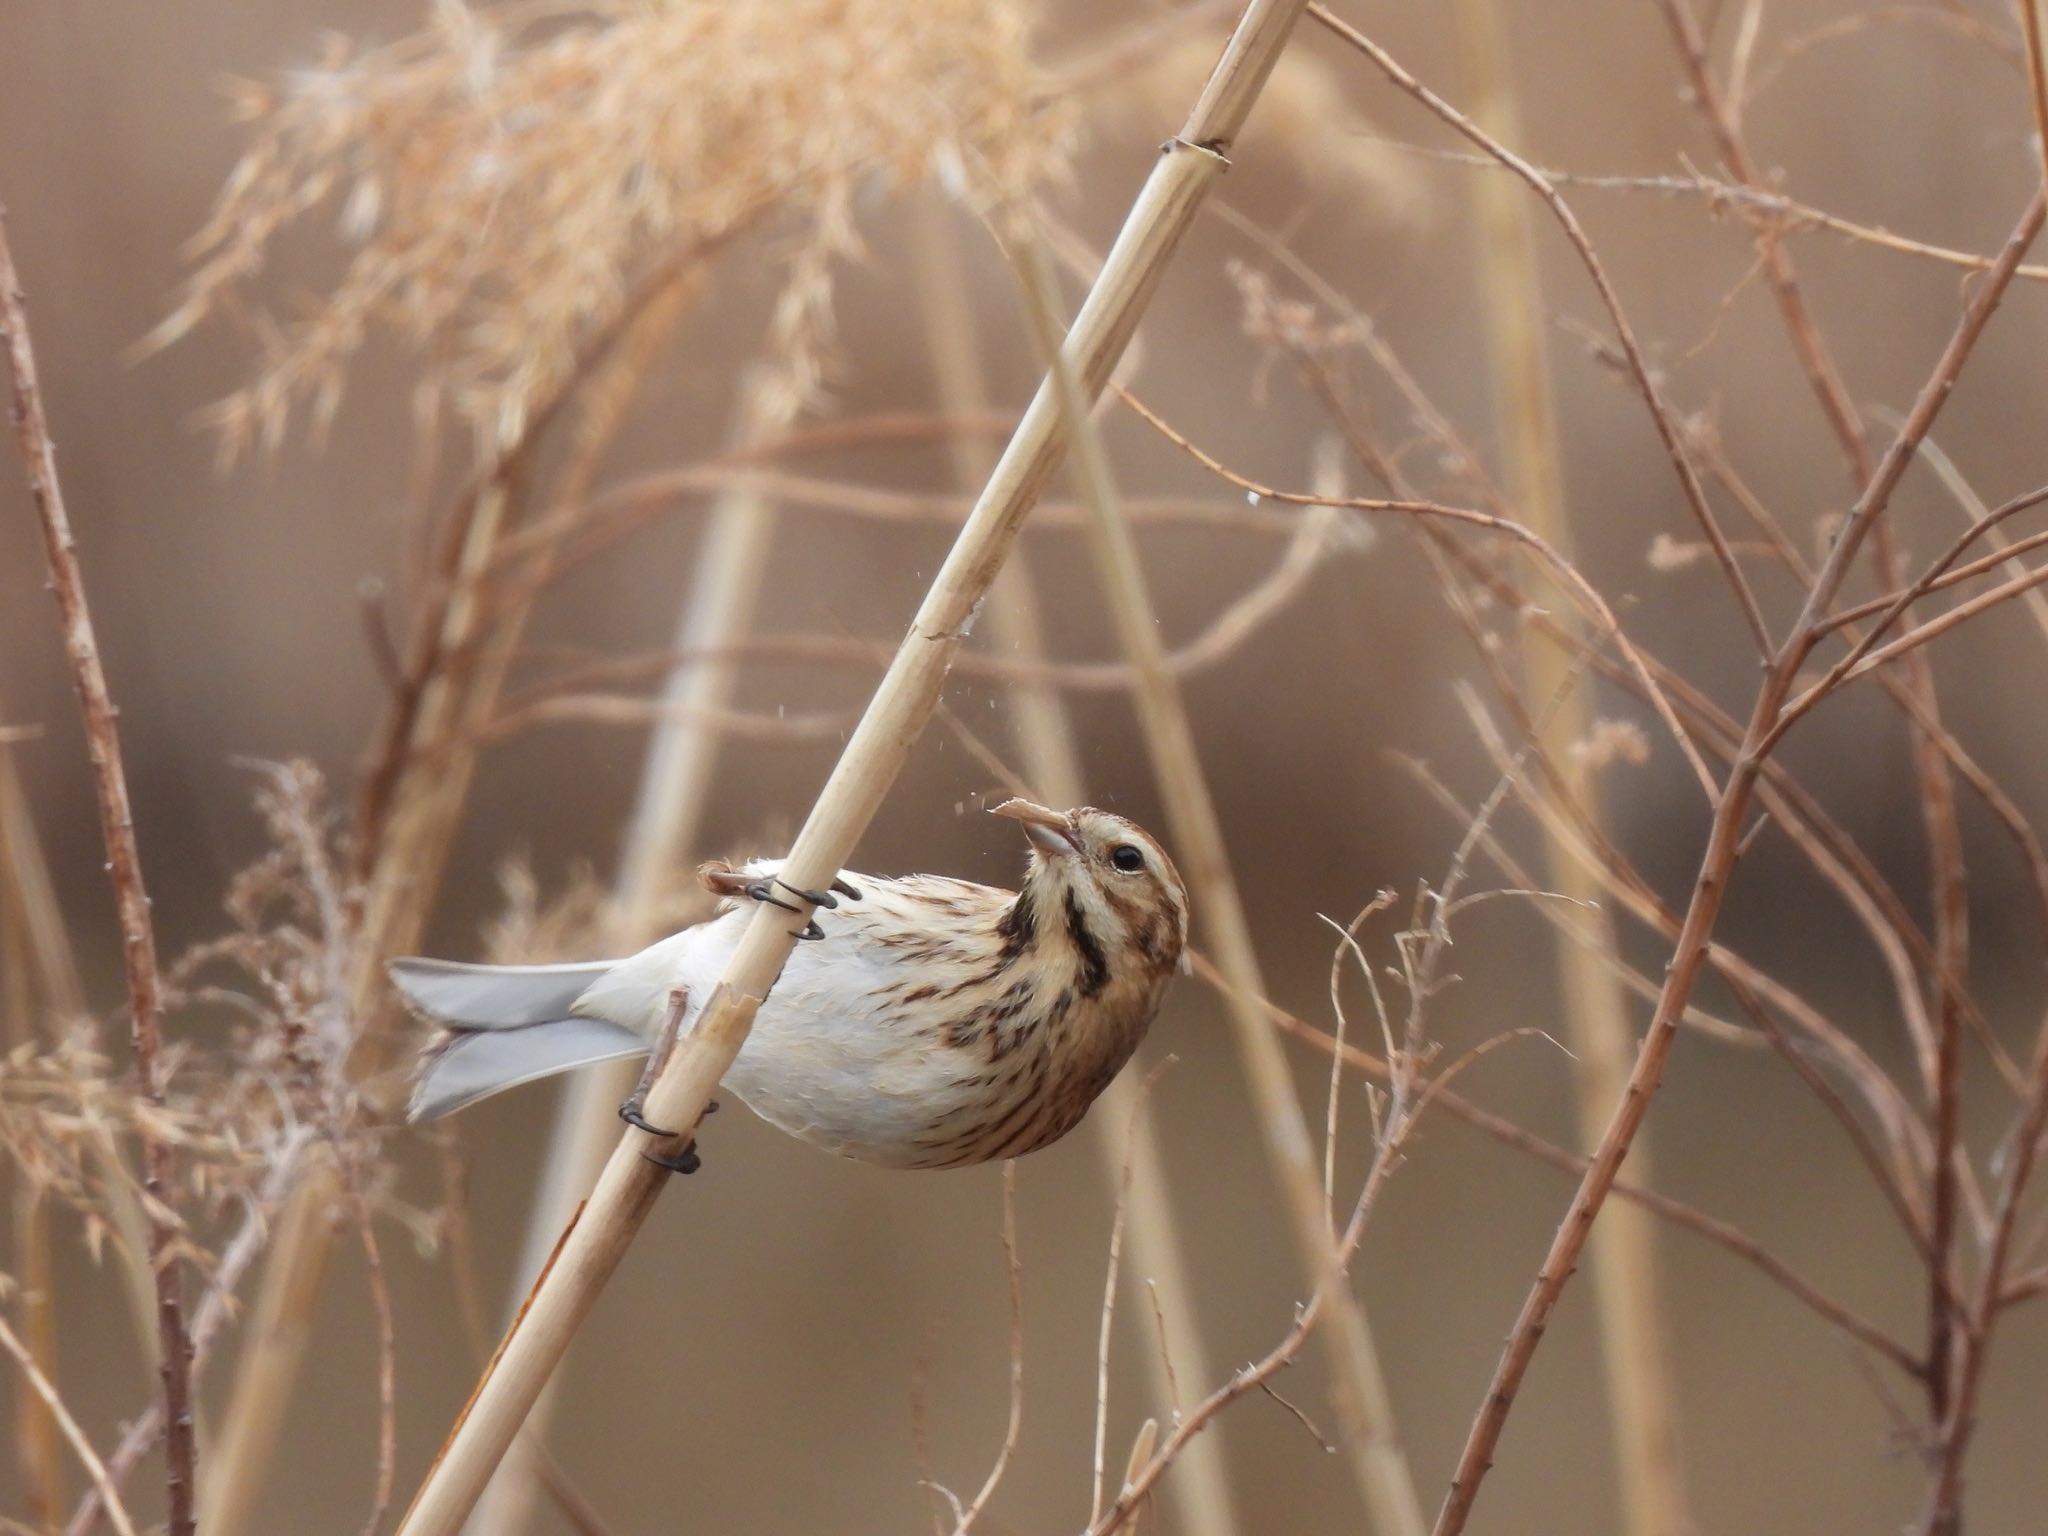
1094,965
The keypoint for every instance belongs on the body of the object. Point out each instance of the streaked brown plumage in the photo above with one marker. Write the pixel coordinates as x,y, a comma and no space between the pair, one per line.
939,1023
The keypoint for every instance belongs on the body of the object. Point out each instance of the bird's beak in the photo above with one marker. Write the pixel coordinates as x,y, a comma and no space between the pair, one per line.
1050,832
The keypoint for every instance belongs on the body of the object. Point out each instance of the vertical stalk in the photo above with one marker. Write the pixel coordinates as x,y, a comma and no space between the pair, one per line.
1627,1286
596,1242
1052,764
1359,1390
124,872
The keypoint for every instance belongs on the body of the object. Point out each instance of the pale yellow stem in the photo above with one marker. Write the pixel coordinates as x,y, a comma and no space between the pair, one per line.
1624,1244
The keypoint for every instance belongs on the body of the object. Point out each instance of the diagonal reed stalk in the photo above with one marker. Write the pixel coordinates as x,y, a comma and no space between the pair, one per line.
1127,1138
1359,1391
675,784
1631,1307
903,702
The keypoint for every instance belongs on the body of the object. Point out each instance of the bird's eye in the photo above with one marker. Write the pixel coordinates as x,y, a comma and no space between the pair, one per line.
1127,857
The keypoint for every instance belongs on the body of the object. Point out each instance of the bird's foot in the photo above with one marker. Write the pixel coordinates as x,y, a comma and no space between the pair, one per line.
634,1110
722,879
685,1159
764,890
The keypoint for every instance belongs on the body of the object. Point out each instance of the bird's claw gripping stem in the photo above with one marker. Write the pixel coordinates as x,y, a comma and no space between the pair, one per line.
764,890
685,1161
633,1111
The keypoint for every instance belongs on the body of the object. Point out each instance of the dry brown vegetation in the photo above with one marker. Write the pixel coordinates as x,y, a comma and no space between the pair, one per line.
542,213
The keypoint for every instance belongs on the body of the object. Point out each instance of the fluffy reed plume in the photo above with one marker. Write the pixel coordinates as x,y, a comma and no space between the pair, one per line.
499,177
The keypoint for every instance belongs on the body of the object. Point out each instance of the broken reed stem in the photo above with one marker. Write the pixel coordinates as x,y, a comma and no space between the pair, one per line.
1724,845
1627,1289
675,783
504,600
1134,1159
1359,1390
124,866
595,1243
1014,1268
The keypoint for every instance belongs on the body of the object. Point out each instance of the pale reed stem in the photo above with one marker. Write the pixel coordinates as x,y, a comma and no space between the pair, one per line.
1359,1390
1627,1286
675,783
1052,765
593,1246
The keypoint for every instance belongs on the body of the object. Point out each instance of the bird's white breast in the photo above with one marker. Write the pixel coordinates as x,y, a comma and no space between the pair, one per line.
831,1059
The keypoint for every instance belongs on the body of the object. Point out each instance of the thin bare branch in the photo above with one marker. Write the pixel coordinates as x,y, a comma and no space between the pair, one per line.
1638,365
124,868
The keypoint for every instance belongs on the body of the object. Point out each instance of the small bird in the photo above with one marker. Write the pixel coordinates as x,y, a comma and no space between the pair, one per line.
941,1023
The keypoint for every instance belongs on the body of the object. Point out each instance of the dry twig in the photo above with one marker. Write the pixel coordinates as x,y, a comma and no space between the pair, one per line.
124,866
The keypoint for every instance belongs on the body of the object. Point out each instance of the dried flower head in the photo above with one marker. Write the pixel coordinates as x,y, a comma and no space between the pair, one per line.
503,176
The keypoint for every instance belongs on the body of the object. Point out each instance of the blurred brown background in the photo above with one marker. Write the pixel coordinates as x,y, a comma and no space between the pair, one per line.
752,1367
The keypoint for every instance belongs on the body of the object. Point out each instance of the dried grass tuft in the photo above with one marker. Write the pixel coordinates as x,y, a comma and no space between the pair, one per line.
500,175
264,1059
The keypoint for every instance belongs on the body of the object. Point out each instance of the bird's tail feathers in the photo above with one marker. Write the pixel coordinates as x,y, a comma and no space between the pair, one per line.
472,1064
466,997
503,1025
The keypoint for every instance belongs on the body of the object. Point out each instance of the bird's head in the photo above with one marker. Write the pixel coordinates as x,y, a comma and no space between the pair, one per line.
1103,887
